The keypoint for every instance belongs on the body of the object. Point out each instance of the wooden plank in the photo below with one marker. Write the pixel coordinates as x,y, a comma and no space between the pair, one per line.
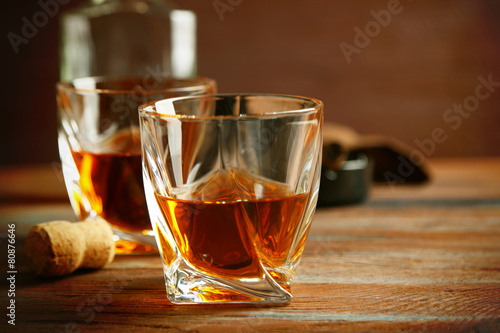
116,297
402,261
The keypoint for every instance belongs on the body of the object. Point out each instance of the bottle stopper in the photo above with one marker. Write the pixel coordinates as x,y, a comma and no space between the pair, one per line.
60,247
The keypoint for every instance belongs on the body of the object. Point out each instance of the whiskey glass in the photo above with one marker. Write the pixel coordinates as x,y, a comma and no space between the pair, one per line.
231,183
99,147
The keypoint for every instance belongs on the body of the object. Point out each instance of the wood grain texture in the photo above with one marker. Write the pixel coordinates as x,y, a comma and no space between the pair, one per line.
410,259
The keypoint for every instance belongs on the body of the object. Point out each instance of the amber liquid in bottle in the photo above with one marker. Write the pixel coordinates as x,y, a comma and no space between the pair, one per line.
224,229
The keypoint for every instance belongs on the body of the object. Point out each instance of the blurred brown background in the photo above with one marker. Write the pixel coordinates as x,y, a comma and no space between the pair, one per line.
399,82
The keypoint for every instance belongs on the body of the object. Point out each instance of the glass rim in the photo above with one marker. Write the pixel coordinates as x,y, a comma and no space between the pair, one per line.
149,109
198,82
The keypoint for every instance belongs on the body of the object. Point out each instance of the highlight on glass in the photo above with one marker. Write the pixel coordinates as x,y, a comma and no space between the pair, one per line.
231,185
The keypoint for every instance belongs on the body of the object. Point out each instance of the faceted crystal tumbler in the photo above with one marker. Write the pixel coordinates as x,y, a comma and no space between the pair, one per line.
231,185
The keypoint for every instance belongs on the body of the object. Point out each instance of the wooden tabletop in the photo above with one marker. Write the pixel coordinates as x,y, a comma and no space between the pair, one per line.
411,258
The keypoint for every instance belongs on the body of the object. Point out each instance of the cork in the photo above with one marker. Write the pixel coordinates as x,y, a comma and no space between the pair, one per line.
59,248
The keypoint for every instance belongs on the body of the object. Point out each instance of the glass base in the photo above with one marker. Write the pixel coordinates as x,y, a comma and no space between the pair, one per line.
186,286
134,243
